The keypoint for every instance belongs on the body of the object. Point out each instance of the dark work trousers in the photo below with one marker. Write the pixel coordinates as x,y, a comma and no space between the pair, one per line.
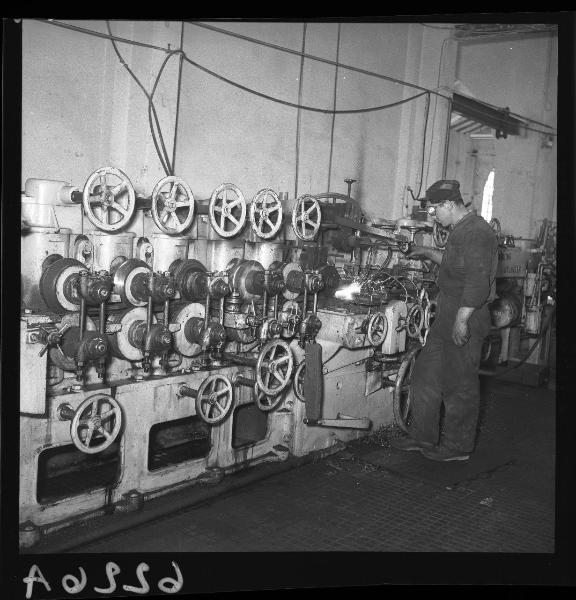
446,373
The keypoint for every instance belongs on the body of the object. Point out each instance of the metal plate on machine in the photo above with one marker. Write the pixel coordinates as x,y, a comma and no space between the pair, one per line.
313,381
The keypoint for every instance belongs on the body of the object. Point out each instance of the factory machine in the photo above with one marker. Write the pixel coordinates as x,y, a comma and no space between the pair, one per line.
164,341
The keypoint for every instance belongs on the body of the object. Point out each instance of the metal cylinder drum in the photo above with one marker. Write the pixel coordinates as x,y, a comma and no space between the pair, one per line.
264,252
110,249
39,243
505,311
167,249
220,252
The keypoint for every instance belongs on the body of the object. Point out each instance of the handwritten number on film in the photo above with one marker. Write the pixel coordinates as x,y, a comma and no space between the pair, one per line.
74,585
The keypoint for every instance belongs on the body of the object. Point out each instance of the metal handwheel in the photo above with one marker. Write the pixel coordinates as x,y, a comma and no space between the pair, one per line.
109,199
401,397
440,234
172,205
225,212
214,399
266,213
274,367
265,402
95,424
306,217
377,329
415,321
298,381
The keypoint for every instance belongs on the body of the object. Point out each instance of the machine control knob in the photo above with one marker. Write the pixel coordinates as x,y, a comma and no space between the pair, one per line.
219,288
315,283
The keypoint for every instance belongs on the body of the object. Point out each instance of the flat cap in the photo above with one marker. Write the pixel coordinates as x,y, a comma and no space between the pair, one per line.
442,190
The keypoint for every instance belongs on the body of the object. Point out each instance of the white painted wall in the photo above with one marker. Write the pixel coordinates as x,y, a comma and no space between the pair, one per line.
520,73
81,110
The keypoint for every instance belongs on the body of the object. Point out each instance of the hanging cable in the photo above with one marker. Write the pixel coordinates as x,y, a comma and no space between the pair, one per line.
427,112
334,97
162,157
299,114
303,107
181,62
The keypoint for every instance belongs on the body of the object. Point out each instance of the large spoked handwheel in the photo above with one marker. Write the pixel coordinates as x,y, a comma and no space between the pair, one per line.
306,217
96,423
109,203
266,213
401,399
227,210
214,399
377,329
265,402
172,205
439,234
415,321
298,382
274,367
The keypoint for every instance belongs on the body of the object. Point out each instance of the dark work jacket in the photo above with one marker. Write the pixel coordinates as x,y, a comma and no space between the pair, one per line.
467,275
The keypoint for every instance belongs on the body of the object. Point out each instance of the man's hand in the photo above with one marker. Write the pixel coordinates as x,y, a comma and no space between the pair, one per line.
416,251
460,329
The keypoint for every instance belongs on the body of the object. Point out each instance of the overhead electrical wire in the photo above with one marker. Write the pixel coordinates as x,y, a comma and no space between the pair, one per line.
283,49
334,99
299,113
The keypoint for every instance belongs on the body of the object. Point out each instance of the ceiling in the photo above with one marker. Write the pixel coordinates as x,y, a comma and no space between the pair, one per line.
470,31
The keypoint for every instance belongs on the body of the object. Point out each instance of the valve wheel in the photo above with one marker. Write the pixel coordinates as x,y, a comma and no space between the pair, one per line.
96,424
214,399
274,367
266,213
224,211
415,321
377,328
298,382
306,217
401,397
172,205
265,402
440,234
108,199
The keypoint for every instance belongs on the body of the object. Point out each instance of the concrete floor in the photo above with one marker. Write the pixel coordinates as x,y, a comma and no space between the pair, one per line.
371,497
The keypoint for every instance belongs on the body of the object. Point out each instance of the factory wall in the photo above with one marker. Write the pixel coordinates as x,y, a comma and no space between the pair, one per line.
520,73
82,109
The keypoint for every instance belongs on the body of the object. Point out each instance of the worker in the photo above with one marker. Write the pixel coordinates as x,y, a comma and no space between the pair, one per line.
446,369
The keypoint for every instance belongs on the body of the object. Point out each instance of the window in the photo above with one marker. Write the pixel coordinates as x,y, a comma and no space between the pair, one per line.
487,197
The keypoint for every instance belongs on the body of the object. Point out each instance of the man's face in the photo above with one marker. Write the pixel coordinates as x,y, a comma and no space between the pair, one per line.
441,212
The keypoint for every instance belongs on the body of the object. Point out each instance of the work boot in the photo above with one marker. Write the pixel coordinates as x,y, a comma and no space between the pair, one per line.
443,454
408,443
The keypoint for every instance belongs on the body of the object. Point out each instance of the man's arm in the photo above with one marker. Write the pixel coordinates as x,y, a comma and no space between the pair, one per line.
433,254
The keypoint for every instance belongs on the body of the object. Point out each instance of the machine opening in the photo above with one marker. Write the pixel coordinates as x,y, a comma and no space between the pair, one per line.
177,441
250,425
65,471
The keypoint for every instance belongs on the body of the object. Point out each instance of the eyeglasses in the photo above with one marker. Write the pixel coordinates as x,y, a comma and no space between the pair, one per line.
431,210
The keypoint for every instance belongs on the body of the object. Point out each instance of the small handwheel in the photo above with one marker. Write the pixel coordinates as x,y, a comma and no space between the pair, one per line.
401,399
115,202
96,423
172,205
266,213
298,381
439,234
214,399
415,321
225,212
377,329
265,402
274,367
306,217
